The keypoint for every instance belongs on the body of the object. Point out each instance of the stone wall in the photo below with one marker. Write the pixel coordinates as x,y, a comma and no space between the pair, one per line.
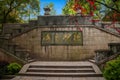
93,39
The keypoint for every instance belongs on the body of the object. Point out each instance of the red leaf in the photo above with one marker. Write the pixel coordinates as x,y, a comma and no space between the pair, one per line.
91,13
95,7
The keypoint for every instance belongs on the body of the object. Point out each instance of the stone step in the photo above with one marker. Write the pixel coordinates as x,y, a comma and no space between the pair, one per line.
10,43
22,50
113,44
59,66
31,60
49,74
60,70
92,61
4,37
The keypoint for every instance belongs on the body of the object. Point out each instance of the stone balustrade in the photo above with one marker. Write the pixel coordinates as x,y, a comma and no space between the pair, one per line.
101,55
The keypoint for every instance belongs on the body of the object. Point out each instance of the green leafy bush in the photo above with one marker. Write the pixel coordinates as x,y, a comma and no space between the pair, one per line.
118,58
13,68
112,70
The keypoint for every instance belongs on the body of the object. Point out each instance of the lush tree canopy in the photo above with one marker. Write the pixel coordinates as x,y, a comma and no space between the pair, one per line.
96,8
18,10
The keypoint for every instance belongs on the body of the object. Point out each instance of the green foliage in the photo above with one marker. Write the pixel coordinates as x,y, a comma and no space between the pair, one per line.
103,7
9,69
118,58
112,70
13,68
67,10
17,10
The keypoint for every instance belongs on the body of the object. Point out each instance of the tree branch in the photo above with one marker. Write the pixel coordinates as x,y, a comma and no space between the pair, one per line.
11,9
116,5
108,6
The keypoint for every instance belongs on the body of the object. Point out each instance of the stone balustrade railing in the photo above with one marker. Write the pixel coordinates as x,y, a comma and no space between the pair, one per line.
106,55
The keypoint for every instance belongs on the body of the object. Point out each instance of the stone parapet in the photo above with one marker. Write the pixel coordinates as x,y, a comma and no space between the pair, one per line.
64,20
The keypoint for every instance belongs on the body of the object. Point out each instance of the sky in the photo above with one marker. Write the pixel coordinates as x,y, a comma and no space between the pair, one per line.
58,5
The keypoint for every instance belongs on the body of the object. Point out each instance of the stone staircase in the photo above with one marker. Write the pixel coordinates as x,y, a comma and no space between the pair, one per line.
15,50
12,30
61,69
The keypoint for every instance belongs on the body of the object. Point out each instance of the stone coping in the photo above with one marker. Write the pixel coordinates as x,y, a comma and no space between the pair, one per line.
114,44
64,15
102,50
